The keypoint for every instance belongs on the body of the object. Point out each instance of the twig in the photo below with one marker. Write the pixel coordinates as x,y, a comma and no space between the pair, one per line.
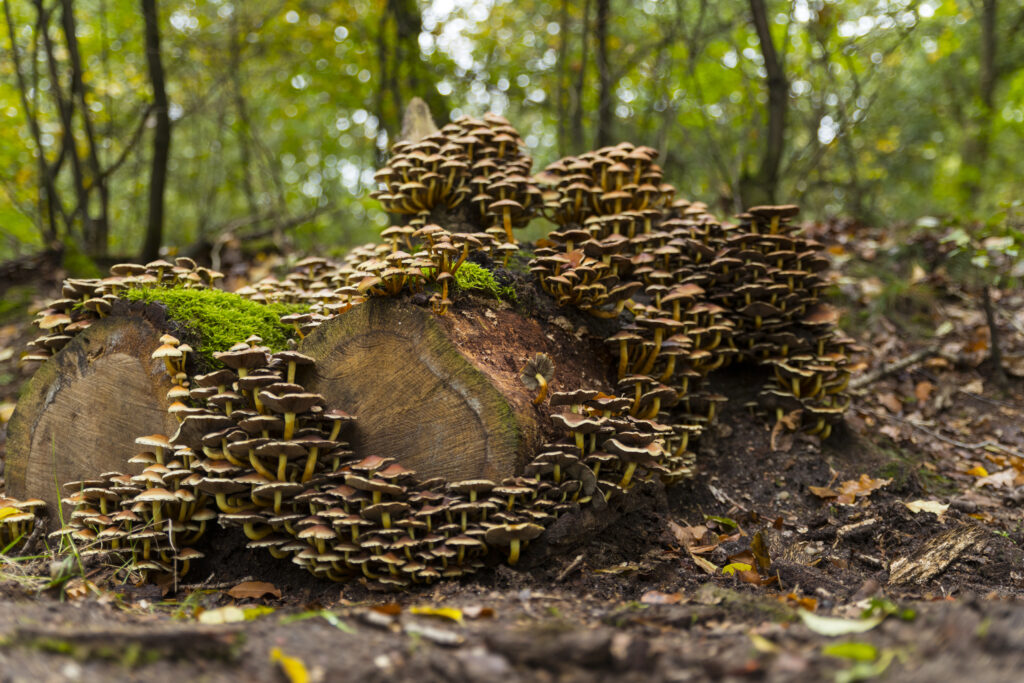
987,444
889,368
570,569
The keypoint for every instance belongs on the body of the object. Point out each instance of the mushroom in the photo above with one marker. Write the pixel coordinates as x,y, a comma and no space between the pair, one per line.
536,374
514,536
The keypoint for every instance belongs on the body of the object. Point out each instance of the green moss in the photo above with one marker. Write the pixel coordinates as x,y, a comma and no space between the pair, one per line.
221,319
472,276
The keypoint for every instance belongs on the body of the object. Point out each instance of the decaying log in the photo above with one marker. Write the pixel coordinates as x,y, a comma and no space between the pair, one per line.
442,393
80,413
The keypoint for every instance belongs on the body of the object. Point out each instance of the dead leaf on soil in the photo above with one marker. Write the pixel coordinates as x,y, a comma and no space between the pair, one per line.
977,471
389,608
823,492
659,598
923,391
975,386
1000,479
451,613
1014,365
292,667
932,506
707,566
477,612
695,539
850,490
254,590
892,431
891,403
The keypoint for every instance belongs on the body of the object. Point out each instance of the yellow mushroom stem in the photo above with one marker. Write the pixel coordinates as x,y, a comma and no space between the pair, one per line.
252,534
282,468
670,367
289,426
277,554
627,475
513,553
506,217
542,394
659,334
225,506
652,412
307,473
259,466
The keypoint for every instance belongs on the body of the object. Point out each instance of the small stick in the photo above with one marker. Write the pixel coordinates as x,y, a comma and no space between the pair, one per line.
570,569
890,368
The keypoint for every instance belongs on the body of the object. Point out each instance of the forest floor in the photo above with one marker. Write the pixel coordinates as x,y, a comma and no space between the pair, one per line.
896,548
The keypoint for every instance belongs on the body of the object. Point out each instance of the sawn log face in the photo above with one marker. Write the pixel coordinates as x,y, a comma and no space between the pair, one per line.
80,413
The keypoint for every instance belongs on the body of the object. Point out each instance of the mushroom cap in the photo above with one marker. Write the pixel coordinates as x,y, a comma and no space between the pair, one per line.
541,364
506,533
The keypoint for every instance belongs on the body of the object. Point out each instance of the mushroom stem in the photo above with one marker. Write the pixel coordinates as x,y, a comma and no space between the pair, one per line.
253,534
513,553
627,475
542,394
259,467
225,506
289,426
307,473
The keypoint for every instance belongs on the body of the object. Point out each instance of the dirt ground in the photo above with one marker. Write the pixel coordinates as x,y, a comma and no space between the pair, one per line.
896,552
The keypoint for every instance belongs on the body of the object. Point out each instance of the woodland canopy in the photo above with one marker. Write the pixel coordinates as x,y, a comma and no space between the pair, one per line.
127,126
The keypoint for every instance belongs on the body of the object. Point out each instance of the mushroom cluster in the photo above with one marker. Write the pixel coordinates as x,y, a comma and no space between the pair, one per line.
17,521
84,301
474,163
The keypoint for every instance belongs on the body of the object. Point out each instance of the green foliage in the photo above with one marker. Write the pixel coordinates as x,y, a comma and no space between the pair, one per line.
284,112
221,319
474,277
991,253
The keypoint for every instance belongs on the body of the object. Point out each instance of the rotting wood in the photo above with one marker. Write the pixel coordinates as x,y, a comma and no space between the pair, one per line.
80,413
441,394
936,554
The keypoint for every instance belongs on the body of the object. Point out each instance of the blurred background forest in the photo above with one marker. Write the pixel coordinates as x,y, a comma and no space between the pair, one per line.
127,125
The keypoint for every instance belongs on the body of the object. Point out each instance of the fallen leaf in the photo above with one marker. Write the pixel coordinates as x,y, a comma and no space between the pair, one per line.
760,551
891,431
292,667
932,506
762,644
451,613
999,479
861,652
923,391
659,598
390,608
944,328
850,490
706,565
803,602
833,626
733,567
478,612
977,471
80,588
822,491
975,386
254,589
893,404
222,615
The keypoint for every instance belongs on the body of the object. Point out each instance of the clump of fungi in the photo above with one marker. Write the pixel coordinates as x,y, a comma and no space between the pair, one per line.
682,292
17,521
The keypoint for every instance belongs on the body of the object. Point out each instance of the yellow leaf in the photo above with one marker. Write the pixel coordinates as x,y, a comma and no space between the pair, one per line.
731,569
978,471
292,667
443,612
762,644
222,615
708,566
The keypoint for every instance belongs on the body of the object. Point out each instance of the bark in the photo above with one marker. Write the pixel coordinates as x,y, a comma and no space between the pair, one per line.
576,96
161,134
603,135
763,186
977,147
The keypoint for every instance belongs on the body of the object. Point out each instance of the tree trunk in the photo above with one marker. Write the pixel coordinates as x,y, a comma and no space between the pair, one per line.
441,394
80,413
603,136
762,187
161,134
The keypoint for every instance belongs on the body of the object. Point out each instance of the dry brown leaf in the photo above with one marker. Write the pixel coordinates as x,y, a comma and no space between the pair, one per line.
707,566
999,479
659,598
891,403
892,431
923,391
850,490
389,608
696,539
478,612
254,590
822,491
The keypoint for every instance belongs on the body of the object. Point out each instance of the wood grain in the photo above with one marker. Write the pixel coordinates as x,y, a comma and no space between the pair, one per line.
81,412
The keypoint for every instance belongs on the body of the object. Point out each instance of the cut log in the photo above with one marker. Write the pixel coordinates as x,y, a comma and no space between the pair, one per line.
80,413
442,394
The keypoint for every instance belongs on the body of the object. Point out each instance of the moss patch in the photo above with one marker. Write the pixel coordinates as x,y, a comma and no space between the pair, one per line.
221,319
472,276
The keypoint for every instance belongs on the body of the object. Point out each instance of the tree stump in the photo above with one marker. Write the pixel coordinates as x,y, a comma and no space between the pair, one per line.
80,413
441,394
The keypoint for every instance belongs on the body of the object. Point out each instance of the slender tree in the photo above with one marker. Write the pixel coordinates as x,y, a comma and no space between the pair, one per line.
161,133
